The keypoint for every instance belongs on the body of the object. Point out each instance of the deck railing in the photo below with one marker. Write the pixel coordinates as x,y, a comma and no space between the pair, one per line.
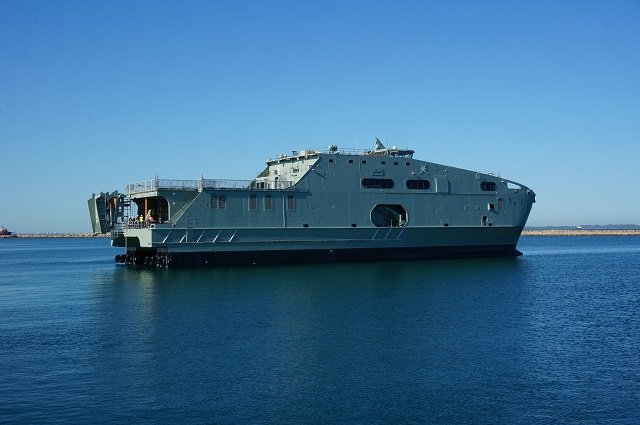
201,184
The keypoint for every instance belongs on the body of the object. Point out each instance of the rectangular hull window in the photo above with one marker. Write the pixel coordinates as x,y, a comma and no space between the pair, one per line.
488,186
418,184
377,183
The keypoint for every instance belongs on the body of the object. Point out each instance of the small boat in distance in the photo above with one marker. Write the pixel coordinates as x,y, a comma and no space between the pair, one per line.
4,231
317,206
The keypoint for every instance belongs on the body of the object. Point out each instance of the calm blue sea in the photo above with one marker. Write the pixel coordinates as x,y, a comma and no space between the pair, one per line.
549,337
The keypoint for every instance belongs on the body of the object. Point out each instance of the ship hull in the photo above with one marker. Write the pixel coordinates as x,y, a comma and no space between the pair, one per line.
222,247
243,258
318,207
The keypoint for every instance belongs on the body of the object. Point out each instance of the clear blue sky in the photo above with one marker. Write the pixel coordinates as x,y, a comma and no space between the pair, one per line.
94,95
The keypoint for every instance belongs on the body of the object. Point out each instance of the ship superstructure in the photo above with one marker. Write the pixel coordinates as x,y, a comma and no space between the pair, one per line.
317,206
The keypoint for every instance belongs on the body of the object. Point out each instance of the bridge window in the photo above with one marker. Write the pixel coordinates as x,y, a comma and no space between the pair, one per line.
418,184
488,186
377,183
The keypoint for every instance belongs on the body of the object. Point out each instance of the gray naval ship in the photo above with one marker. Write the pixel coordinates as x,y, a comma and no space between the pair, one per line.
317,206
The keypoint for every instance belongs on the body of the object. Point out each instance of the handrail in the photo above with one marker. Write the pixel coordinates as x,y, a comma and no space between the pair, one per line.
201,184
156,183
334,150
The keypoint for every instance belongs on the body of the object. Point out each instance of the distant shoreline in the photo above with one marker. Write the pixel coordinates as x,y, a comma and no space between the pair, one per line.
55,235
582,232
544,232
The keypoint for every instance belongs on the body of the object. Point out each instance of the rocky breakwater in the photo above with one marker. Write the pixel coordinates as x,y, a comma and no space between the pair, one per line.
581,232
57,235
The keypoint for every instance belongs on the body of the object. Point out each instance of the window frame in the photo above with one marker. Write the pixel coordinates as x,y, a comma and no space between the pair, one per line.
376,183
